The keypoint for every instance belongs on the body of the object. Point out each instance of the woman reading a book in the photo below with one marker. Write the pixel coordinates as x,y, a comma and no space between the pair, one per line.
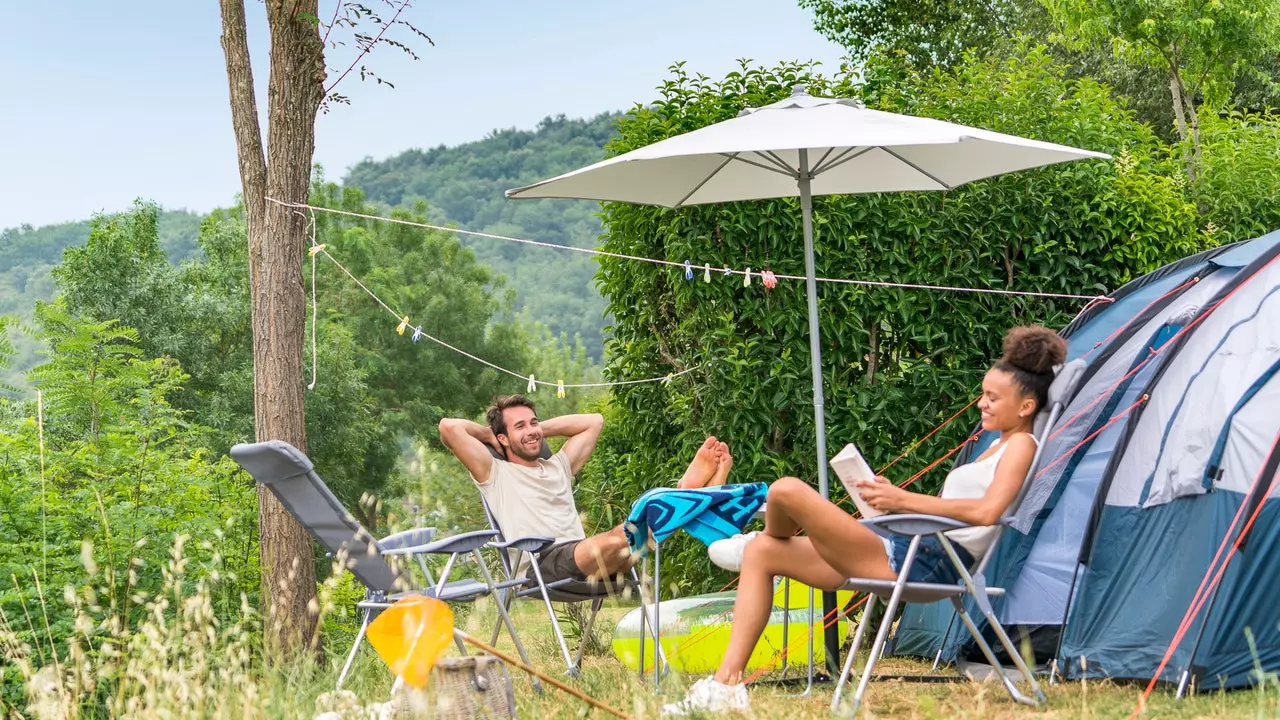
836,546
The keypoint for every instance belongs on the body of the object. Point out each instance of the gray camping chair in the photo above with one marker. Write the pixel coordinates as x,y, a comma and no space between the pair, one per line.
290,476
564,590
972,585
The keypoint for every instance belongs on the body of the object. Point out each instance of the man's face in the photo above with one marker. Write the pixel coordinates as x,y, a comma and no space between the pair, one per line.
524,436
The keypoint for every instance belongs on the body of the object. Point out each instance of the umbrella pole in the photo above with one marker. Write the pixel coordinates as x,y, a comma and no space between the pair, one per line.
831,634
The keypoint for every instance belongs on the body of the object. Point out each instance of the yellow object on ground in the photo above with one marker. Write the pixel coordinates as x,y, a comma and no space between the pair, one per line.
411,635
695,631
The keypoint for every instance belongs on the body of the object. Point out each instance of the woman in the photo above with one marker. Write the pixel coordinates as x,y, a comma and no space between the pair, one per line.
836,546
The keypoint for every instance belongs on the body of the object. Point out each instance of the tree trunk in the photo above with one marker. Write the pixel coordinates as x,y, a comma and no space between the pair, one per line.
276,240
1181,105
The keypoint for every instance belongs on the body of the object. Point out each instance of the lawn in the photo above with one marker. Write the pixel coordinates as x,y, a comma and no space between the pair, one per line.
605,679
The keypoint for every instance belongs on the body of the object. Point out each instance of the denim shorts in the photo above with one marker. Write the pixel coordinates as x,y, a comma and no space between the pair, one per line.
931,564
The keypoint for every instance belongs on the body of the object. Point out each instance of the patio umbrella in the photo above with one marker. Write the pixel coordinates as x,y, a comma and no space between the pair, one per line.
804,146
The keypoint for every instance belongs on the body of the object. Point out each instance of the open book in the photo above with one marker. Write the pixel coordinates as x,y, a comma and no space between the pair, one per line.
851,468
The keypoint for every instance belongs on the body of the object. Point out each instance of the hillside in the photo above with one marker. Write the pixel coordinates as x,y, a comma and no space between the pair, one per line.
464,185
28,254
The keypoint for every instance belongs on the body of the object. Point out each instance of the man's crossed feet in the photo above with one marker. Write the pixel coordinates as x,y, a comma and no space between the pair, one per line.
710,466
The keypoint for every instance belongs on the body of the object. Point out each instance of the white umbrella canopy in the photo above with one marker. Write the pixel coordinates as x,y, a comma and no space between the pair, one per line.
758,155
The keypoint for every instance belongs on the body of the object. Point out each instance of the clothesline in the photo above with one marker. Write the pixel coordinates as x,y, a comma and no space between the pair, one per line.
418,333
689,266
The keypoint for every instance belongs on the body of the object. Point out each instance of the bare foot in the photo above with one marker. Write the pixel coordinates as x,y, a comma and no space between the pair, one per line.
702,468
726,464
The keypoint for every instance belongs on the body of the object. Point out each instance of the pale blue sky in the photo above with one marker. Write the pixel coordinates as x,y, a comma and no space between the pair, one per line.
102,102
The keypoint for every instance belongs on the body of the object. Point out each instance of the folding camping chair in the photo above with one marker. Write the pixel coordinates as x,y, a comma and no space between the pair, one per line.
290,476
972,584
564,590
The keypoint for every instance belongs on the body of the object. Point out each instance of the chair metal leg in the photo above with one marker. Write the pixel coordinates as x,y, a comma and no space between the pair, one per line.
355,647
808,688
502,611
786,623
555,623
889,609
586,632
847,671
978,591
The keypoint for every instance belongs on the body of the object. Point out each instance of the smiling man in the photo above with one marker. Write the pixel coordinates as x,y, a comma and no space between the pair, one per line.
533,497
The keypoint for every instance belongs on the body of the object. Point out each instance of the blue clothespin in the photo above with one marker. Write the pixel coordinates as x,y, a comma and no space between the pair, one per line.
688,270
417,333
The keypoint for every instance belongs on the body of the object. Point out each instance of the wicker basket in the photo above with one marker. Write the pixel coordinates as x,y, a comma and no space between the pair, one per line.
469,688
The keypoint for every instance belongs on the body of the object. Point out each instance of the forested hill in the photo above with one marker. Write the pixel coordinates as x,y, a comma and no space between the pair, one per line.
464,185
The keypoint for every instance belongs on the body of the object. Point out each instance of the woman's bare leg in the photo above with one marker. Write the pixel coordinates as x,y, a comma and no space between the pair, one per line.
837,547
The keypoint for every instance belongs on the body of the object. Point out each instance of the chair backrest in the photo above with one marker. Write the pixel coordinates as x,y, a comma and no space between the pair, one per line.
1063,387
289,475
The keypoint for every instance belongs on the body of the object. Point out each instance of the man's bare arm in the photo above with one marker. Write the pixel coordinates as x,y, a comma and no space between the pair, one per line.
582,431
470,442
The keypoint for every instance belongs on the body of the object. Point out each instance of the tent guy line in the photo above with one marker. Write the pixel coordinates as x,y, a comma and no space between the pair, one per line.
706,267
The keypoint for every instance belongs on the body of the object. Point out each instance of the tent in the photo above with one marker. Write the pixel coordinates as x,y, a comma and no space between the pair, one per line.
1167,447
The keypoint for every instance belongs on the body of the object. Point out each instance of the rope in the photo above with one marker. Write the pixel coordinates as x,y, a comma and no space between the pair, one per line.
1202,593
685,265
549,680
315,361
1137,315
418,332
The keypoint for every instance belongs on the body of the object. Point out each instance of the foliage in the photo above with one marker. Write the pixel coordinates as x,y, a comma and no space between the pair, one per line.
896,362
105,475
465,185
934,32
1238,190
1201,48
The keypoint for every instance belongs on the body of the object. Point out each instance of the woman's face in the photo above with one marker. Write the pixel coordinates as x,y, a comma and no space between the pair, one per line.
1003,404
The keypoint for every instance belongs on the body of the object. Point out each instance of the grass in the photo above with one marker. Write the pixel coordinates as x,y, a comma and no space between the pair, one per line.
182,661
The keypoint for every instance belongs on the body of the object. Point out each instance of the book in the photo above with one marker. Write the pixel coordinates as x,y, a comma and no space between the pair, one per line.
851,468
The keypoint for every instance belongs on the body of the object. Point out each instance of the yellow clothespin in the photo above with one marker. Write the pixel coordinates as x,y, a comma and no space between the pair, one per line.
667,380
404,323
746,278
706,272
532,386
315,249
560,388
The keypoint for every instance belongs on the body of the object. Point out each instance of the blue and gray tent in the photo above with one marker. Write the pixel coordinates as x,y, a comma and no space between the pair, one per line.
1134,498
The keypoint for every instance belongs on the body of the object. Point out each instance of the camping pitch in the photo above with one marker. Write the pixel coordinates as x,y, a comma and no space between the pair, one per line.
1163,464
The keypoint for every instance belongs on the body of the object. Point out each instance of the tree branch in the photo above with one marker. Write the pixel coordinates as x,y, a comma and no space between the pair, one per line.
244,111
369,47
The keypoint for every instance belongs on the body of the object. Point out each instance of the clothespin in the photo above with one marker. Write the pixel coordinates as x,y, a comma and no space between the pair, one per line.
746,278
560,388
315,249
404,323
667,380
417,333
532,386
768,278
706,272
688,270
727,271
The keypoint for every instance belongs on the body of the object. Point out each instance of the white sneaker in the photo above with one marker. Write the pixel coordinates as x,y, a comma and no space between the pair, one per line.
709,696
727,553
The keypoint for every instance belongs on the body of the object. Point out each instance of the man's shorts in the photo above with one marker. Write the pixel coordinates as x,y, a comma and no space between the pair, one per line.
556,563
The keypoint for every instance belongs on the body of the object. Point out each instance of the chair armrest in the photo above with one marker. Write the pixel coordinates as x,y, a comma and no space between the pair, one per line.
461,543
910,525
525,544
407,538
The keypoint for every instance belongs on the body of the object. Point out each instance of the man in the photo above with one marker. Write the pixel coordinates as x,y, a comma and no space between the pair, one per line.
533,497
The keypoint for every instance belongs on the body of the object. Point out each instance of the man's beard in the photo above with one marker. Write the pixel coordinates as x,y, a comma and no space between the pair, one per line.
519,451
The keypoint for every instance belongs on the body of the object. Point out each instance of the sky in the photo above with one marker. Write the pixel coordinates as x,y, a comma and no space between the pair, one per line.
105,102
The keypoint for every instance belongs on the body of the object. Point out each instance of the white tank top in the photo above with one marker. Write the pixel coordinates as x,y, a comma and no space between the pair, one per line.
971,482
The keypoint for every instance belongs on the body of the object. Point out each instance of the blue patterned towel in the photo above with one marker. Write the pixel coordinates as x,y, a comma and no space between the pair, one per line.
708,514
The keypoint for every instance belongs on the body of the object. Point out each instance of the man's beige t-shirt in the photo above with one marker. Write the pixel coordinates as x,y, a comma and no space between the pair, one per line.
533,501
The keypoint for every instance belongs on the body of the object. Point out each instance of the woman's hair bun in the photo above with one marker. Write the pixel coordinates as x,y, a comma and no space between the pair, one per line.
1034,349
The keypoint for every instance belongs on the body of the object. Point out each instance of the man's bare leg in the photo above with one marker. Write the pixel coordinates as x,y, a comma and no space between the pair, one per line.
702,468
604,555
724,464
